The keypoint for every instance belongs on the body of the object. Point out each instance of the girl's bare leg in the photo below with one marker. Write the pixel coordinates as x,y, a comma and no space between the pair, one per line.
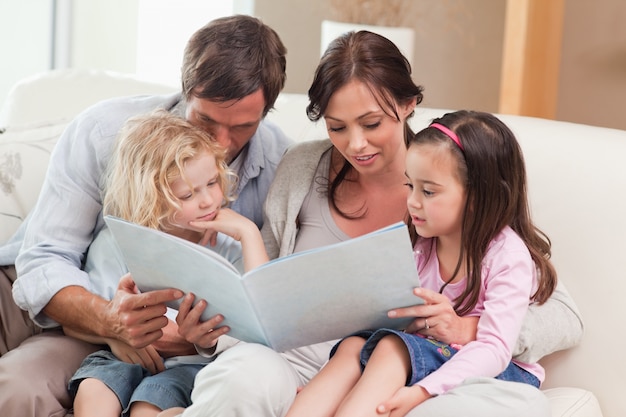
323,394
144,409
386,371
171,412
95,399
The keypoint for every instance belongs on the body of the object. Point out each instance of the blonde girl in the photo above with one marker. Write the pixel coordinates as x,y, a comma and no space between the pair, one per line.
168,175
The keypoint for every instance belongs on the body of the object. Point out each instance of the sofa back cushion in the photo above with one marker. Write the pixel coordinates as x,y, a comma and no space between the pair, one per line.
24,155
34,115
62,94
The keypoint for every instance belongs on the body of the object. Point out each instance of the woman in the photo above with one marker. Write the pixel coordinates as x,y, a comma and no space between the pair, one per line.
488,266
331,190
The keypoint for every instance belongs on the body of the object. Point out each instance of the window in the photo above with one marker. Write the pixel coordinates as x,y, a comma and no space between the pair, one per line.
163,29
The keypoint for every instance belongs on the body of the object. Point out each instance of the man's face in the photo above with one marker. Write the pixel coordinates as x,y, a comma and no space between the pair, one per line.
232,123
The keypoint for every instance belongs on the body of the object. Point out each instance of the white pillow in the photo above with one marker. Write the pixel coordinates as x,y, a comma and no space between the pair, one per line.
24,157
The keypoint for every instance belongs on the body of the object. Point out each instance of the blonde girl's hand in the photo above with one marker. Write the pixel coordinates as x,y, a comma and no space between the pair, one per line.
172,343
436,318
209,236
228,222
239,228
203,334
148,357
403,401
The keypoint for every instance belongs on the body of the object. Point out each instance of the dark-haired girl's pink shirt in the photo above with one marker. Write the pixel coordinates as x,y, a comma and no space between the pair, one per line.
509,278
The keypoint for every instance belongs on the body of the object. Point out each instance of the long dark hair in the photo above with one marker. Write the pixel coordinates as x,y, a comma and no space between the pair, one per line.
378,63
491,168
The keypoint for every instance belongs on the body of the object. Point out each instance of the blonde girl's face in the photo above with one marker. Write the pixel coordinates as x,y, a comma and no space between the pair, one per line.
437,197
200,199
362,132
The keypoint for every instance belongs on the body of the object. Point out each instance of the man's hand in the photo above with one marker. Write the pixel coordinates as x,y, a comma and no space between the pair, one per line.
437,318
138,319
148,357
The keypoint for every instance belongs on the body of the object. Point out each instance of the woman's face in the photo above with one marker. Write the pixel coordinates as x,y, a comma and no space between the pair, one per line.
366,136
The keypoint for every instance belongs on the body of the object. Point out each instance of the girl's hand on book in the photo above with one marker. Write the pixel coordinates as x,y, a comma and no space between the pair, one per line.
202,334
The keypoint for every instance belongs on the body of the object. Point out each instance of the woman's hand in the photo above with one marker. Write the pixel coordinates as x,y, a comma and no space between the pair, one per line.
202,334
148,357
437,318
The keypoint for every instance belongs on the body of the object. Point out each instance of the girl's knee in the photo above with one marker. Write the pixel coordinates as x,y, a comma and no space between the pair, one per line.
92,386
391,342
350,346
391,346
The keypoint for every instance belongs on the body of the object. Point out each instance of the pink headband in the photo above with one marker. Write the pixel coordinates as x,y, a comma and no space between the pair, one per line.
448,133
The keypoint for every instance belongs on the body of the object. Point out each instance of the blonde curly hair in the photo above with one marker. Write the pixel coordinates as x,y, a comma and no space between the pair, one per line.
150,153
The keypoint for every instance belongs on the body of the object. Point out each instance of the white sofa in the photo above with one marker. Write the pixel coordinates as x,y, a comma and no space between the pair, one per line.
577,182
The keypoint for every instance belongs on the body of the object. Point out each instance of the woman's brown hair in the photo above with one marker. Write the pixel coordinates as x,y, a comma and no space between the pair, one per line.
378,63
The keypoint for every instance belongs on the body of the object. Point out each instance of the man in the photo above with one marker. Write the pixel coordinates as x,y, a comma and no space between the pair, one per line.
233,70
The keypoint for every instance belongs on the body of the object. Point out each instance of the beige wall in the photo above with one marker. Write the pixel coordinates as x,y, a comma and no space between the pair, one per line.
458,47
458,53
592,86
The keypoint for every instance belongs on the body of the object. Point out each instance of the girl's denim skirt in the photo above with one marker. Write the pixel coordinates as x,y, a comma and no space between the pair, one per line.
427,355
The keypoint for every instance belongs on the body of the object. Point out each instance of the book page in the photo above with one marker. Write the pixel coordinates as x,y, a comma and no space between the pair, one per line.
330,292
305,298
158,260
